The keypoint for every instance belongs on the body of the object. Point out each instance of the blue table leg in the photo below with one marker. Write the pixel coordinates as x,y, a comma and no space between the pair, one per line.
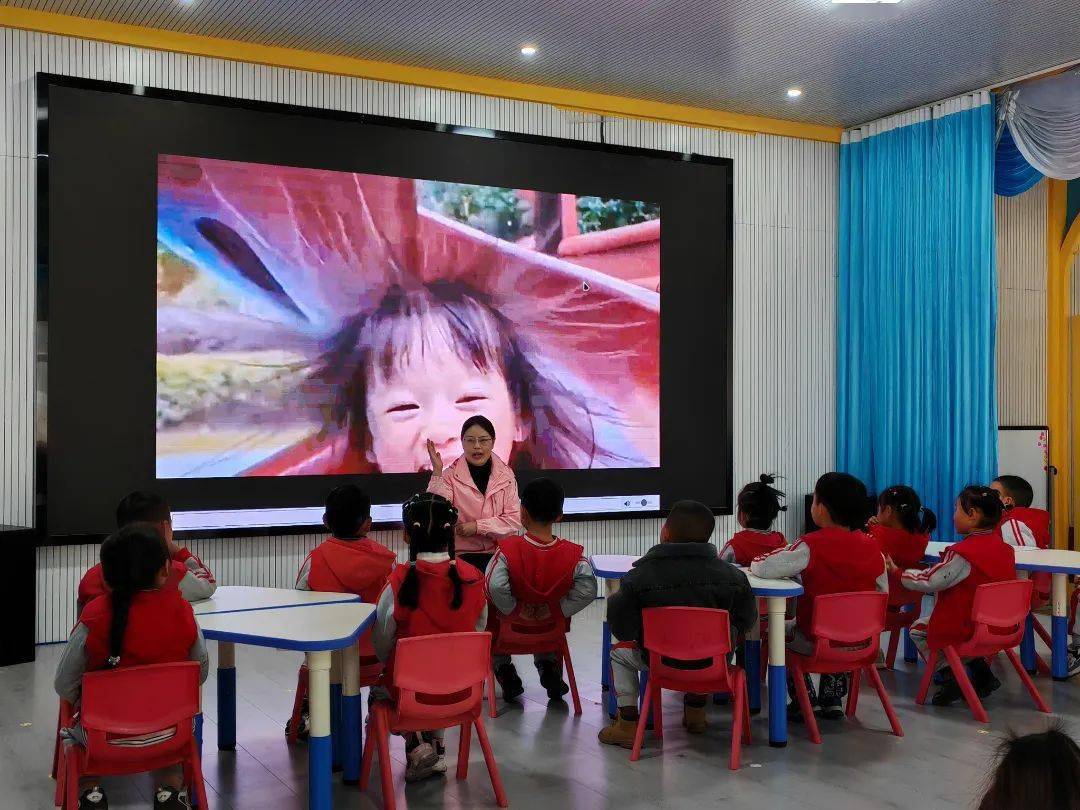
335,726
911,653
643,686
198,731
607,691
226,696
1059,628
1027,645
777,673
351,742
320,792
753,673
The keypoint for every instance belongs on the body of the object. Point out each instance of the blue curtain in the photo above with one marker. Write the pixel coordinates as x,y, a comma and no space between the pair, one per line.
917,308
1012,173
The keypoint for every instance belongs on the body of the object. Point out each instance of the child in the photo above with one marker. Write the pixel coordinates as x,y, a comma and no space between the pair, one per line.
434,593
186,572
980,557
902,529
1036,770
837,558
347,562
684,570
758,506
1022,524
139,620
535,576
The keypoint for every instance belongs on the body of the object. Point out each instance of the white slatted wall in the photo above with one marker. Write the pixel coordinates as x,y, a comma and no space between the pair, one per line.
1021,339
785,230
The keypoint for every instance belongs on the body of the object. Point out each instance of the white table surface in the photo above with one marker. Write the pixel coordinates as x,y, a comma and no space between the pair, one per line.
314,627
614,566
239,598
1053,560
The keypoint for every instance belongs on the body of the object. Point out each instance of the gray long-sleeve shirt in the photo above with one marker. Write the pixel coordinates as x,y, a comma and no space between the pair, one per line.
384,632
72,665
581,594
951,570
792,560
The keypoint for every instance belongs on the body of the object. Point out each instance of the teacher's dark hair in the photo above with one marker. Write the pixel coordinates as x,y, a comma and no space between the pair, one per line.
481,422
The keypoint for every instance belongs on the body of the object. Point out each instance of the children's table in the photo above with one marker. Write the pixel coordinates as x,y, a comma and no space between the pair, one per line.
1060,564
613,567
316,627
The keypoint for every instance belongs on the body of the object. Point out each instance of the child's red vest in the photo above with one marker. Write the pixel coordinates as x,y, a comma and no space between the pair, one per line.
840,561
907,550
540,574
350,566
160,629
433,613
1038,520
748,544
991,560
92,585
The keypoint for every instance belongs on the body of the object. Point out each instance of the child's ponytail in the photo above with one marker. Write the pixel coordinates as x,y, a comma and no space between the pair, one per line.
429,523
905,503
131,560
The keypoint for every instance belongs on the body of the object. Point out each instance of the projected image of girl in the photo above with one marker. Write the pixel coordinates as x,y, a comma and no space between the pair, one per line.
314,322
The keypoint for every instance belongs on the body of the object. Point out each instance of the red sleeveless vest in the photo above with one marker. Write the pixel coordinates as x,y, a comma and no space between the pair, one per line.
991,560
160,629
907,550
540,574
92,585
1038,520
748,544
351,566
433,613
840,561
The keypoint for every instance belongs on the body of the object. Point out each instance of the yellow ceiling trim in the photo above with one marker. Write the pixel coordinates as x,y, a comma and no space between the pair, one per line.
160,40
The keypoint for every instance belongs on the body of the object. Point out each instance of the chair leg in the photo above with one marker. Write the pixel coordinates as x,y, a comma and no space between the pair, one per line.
738,723
197,785
894,721
1043,633
928,676
298,704
804,703
1030,684
489,760
61,764
1042,667
492,710
71,779
747,736
658,713
369,751
386,774
853,692
643,720
569,666
894,642
463,751
960,673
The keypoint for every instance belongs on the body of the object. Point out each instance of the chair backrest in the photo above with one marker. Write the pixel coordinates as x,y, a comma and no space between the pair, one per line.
441,676
999,612
370,665
847,627
119,704
687,644
521,636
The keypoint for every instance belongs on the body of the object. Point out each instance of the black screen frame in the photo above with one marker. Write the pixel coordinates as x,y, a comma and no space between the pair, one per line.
717,324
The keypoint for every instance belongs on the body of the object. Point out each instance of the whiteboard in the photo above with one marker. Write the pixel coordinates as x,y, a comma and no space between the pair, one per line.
1024,451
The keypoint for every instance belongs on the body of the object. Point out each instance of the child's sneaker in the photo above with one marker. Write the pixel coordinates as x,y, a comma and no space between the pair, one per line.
509,681
694,720
303,730
170,798
551,679
93,798
420,762
1072,662
440,764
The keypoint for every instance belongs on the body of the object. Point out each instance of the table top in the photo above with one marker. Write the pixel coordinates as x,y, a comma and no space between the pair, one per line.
305,628
1052,560
242,598
616,566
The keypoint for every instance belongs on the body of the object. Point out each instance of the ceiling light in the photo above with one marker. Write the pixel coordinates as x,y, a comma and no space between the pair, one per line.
793,92
528,50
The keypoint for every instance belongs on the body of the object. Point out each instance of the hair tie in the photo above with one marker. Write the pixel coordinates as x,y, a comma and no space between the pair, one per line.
113,660
453,561
783,508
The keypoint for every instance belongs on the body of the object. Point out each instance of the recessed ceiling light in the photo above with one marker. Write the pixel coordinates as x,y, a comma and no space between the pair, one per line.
794,92
528,50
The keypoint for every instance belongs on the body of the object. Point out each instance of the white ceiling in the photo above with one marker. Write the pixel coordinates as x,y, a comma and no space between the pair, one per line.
854,63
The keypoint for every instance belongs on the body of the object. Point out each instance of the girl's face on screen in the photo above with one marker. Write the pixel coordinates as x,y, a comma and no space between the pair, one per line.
429,398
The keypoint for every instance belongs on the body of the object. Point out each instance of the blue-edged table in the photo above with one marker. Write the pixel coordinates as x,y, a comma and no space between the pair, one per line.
613,567
1060,564
316,624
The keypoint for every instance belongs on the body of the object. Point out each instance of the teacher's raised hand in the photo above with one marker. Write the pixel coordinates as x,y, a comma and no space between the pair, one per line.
436,458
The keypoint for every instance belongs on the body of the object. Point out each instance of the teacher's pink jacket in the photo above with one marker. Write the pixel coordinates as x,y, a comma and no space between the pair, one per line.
497,513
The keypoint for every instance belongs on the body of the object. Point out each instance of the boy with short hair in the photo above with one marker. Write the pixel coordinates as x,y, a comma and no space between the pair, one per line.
684,570
186,571
535,575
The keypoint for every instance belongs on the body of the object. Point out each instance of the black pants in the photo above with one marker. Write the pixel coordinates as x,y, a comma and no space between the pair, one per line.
477,559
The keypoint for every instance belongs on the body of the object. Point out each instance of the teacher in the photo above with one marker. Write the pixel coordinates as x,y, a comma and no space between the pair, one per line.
482,488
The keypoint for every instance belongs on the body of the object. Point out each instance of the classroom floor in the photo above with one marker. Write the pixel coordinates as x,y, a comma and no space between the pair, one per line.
549,759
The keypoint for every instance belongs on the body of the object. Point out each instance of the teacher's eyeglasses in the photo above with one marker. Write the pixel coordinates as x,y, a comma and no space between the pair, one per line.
473,441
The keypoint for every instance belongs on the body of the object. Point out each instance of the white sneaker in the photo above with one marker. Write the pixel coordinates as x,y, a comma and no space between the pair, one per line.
420,762
440,765
1072,662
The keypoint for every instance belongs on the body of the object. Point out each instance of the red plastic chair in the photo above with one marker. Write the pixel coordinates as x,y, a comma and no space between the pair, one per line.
688,652
63,720
133,702
517,637
896,621
999,612
371,669
439,683
847,630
